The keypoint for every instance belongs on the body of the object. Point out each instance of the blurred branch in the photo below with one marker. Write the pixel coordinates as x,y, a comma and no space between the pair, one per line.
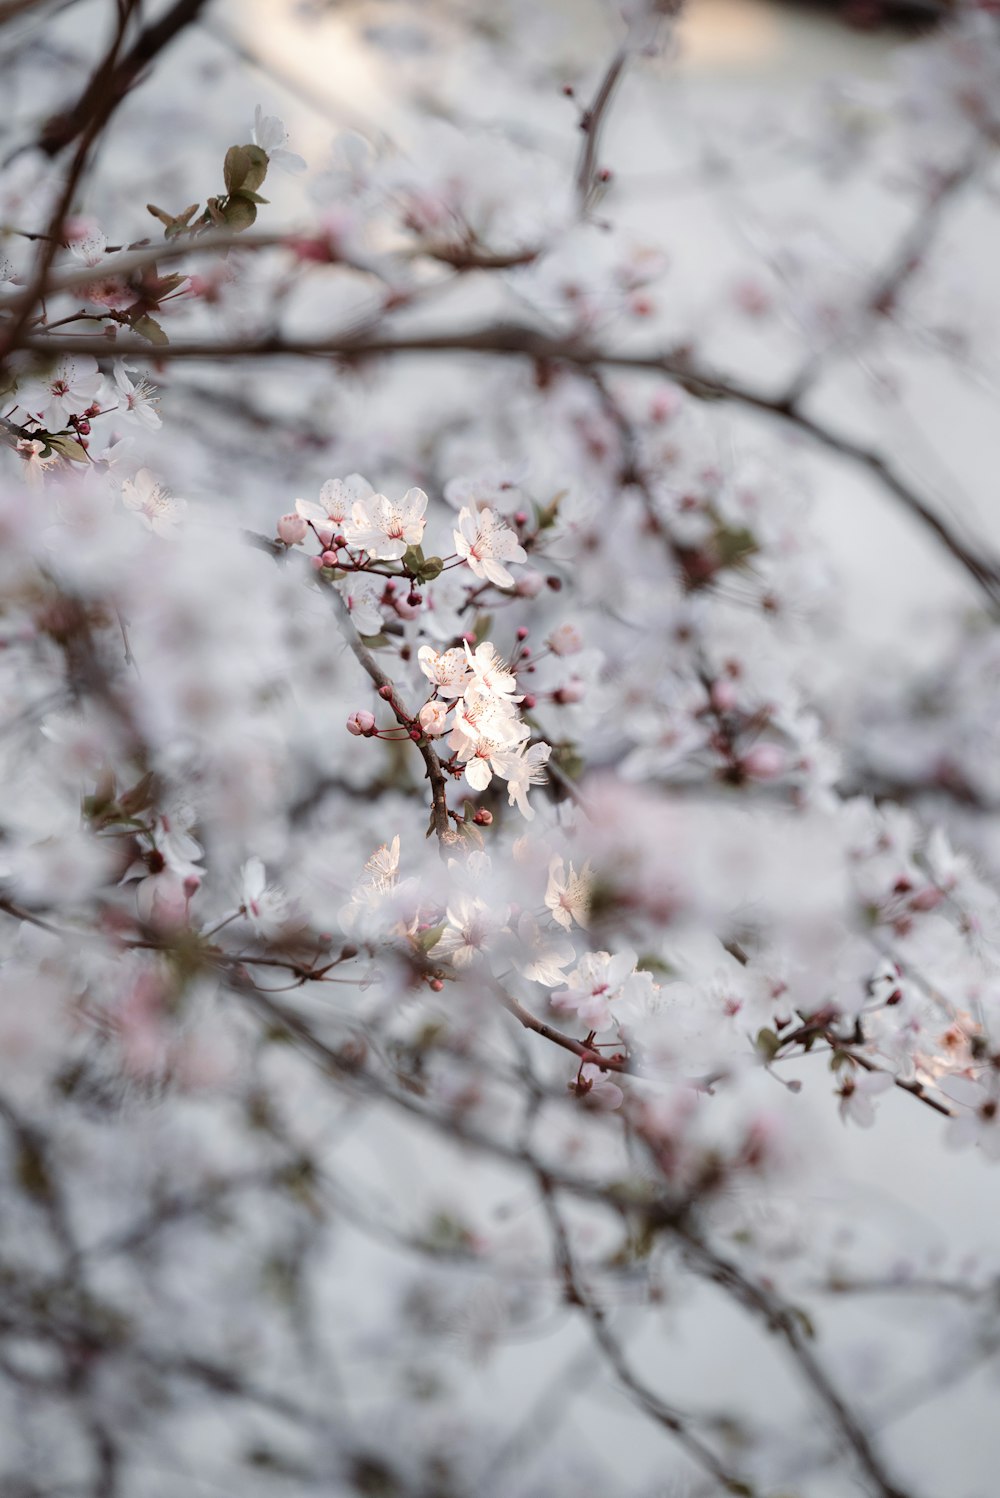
110,84
519,340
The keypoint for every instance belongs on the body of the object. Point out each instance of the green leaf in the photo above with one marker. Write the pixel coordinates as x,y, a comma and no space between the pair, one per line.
68,447
430,938
258,168
147,327
236,168
238,214
431,568
767,1044
413,558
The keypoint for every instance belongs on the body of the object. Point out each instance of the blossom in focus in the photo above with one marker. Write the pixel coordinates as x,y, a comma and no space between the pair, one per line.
384,527
136,399
336,500
68,390
449,670
485,542
490,671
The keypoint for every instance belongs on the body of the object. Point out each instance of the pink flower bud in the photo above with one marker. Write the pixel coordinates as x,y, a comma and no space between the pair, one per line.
361,723
483,818
529,702
432,718
522,633
764,761
292,529
385,692
329,559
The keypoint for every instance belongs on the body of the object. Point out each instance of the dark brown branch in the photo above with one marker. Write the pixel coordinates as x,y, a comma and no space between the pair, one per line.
592,122
789,1325
575,1294
517,340
109,86
440,822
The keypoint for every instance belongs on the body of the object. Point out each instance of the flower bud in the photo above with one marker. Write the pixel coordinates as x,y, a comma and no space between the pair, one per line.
483,818
292,529
432,718
361,722
329,559
385,692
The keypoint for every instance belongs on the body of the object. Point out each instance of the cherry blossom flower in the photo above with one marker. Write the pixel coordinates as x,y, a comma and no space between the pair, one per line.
490,671
136,401
270,134
171,873
470,929
336,500
87,241
485,542
593,986
265,905
522,768
449,671
979,1123
568,894
363,598
151,503
541,956
856,1092
596,1087
384,527
69,389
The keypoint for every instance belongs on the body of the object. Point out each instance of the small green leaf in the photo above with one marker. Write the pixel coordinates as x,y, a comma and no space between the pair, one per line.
147,327
238,214
236,168
68,447
430,938
767,1044
257,170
